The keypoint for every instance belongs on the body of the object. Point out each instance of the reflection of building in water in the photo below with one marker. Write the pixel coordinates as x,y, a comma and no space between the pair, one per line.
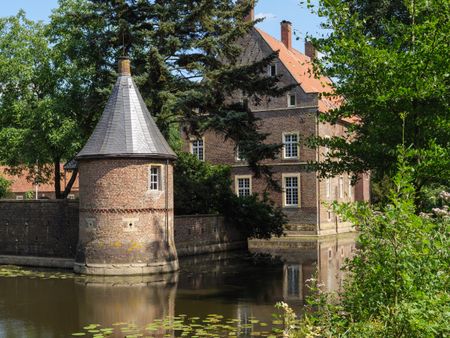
136,300
304,259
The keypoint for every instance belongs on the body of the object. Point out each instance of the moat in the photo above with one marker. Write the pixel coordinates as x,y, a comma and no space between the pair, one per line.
240,285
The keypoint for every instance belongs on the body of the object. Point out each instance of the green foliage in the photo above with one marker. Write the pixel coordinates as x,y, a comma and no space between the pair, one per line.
254,216
390,63
199,187
4,187
203,188
29,195
37,125
398,280
185,56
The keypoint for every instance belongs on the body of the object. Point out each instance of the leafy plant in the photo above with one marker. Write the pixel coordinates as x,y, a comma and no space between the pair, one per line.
4,187
203,188
398,280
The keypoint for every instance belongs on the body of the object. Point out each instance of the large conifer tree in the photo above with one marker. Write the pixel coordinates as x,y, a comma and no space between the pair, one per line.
185,59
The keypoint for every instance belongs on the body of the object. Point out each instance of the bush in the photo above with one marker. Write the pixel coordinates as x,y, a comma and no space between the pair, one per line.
397,284
199,187
203,188
254,217
4,187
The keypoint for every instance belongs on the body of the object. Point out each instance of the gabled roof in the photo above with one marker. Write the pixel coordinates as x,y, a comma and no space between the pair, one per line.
300,67
126,128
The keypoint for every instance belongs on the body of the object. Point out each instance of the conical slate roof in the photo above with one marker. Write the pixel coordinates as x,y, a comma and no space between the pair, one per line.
126,128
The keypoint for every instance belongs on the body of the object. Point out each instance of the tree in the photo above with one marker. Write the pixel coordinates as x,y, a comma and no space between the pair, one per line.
203,188
397,282
38,129
185,58
389,60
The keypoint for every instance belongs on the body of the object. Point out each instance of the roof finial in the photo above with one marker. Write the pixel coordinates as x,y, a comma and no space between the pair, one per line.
124,66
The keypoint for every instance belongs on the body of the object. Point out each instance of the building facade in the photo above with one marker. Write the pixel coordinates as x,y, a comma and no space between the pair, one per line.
289,120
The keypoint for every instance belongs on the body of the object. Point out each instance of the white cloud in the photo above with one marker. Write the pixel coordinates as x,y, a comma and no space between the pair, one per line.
265,16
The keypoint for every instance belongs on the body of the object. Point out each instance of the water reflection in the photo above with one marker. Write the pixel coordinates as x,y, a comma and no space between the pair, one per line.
235,285
134,300
308,258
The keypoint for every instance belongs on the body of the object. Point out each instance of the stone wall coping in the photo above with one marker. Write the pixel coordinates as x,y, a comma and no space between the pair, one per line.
43,201
199,215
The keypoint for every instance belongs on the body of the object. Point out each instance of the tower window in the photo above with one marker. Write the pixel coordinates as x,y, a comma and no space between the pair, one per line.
197,149
155,178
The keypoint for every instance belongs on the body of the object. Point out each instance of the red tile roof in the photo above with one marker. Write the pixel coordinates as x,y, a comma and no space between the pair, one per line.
300,67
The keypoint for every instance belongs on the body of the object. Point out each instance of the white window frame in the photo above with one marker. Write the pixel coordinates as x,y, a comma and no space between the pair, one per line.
283,178
159,176
284,144
196,154
289,104
341,187
350,187
236,184
270,69
237,156
328,187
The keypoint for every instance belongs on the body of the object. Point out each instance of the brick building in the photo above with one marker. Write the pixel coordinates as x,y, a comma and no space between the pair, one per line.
126,190
289,120
21,188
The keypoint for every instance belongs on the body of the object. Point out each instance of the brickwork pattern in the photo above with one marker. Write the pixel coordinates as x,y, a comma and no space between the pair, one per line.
122,221
39,228
50,229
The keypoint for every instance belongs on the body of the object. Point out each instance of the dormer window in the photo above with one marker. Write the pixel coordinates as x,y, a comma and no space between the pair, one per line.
273,70
292,100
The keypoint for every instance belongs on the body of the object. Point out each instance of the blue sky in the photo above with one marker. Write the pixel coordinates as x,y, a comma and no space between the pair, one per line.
274,12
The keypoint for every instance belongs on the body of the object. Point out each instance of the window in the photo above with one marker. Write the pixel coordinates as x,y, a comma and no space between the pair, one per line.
341,187
328,184
291,190
243,186
292,100
239,154
273,70
290,142
350,187
155,178
197,149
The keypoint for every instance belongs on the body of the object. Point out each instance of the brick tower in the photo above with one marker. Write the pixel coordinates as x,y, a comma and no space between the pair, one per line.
126,190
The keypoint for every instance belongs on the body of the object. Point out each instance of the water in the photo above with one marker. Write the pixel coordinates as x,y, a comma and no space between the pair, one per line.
235,285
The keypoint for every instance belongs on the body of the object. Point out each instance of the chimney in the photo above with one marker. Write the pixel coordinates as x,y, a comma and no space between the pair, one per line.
124,66
250,17
310,50
286,33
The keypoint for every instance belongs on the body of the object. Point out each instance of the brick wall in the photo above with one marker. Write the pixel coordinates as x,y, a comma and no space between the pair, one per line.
204,234
49,228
